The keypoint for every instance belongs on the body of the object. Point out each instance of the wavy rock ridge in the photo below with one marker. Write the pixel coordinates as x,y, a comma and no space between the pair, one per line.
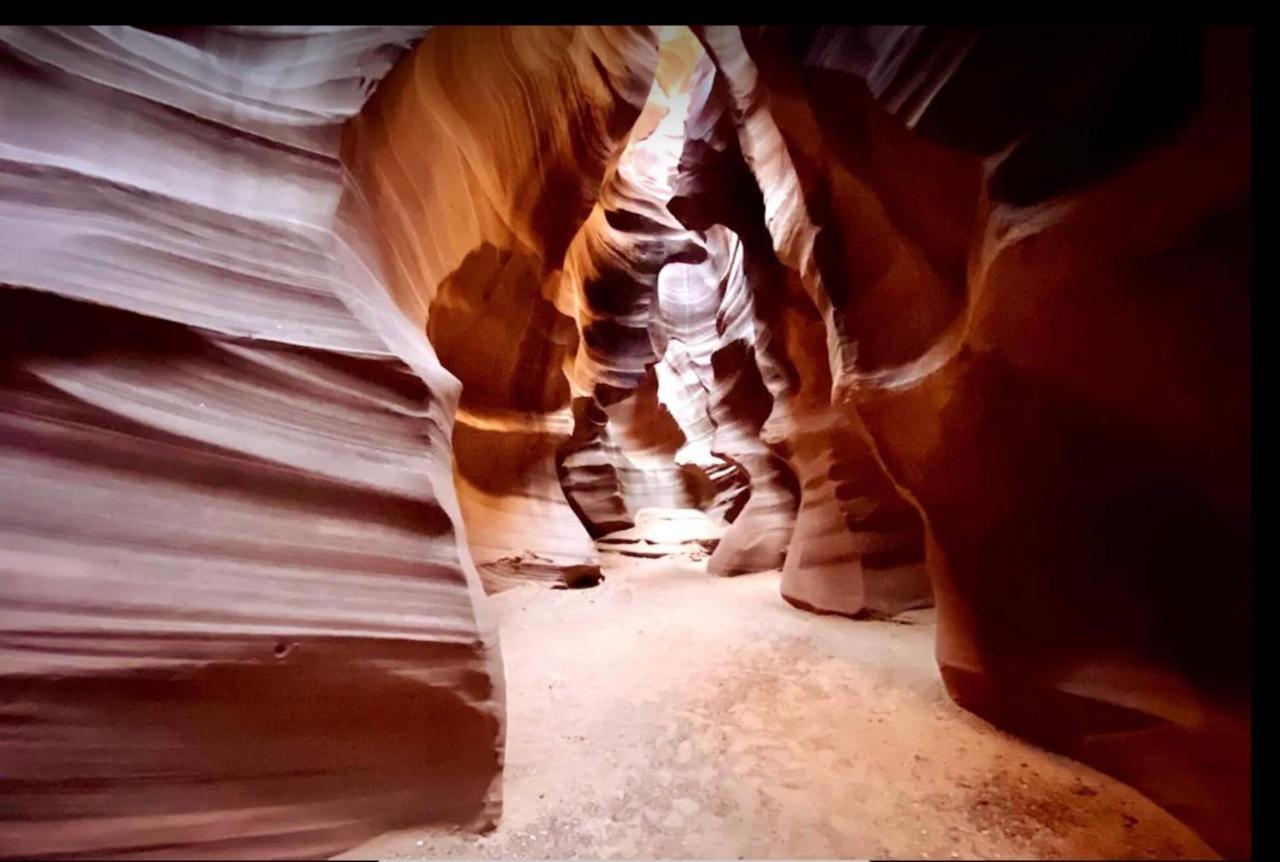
341,328
477,227
235,618
1072,433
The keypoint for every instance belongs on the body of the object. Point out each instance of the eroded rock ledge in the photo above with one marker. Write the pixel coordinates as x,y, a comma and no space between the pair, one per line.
235,620
311,336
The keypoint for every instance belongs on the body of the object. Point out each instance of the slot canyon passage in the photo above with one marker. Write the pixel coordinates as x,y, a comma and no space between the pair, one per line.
720,442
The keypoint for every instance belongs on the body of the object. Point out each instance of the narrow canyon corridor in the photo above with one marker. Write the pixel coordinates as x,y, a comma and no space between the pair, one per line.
616,441
665,714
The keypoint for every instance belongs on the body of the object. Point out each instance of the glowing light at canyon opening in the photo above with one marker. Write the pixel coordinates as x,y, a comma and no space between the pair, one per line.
653,153
317,339
649,164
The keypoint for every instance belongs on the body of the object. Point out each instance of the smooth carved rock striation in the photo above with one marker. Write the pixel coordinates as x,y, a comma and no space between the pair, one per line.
234,616
671,397
522,125
857,548
1066,403
312,336
630,449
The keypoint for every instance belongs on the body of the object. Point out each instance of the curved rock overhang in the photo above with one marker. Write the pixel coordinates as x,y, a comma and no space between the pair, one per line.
312,336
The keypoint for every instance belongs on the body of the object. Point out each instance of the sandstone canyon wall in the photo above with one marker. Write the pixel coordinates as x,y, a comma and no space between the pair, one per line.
480,158
235,617
670,401
1030,254
857,547
314,335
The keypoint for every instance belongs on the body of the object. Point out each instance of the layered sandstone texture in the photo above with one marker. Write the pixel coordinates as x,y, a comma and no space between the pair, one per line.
853,545
479,182
235,617
313,336
1029,251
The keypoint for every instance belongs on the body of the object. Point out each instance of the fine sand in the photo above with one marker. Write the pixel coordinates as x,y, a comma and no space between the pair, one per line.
668,713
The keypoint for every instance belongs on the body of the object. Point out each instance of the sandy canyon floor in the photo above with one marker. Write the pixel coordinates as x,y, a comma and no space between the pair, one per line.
666,713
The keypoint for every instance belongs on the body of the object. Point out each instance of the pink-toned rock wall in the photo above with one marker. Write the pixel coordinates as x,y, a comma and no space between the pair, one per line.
857,546
674,398
479,158
292,371
1035,294
234,619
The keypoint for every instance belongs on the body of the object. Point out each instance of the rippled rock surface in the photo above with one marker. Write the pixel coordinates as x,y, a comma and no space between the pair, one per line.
1035,295
312,336
235,620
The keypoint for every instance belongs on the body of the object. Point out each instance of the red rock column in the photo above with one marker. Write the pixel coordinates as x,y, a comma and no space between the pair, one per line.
1066,397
